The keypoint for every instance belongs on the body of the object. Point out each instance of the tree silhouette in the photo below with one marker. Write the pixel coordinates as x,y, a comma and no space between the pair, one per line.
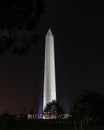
18,21
53,110
90,106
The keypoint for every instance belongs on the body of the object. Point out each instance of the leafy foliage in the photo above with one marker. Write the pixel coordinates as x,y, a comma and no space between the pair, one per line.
53,110
18,20
90,106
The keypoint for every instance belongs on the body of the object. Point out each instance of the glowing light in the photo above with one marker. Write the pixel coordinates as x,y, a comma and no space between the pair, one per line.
49,70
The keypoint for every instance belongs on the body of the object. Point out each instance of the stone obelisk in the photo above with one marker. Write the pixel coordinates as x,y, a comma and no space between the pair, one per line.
49,91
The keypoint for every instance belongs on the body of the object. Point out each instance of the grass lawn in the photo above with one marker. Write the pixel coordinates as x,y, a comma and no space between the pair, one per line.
57,127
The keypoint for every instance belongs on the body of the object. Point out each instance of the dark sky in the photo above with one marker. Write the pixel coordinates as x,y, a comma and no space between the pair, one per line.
78,32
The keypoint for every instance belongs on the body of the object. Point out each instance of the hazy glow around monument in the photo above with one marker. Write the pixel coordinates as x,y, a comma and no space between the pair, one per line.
49,93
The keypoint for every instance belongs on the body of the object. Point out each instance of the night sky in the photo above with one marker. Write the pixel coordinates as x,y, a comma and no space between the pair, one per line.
79,39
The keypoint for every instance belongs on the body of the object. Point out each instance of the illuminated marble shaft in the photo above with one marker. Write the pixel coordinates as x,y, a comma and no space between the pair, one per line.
49,93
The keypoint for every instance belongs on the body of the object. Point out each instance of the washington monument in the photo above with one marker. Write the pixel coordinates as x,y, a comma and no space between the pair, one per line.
49,91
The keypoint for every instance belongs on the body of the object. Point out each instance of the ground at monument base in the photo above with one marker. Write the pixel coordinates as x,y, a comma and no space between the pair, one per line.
58,127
